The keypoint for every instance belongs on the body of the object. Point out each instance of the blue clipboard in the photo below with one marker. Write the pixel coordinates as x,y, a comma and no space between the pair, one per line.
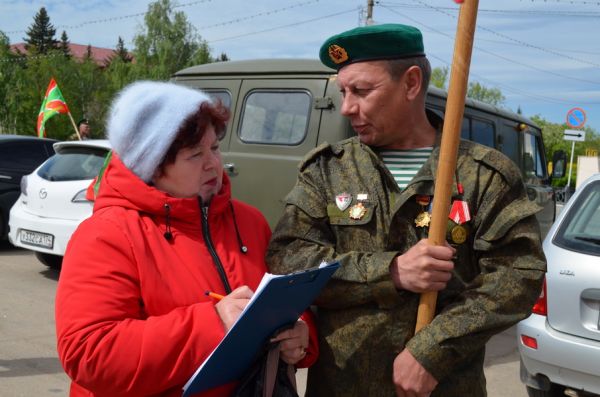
278,304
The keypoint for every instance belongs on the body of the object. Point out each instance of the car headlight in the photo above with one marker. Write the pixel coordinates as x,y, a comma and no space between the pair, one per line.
80,197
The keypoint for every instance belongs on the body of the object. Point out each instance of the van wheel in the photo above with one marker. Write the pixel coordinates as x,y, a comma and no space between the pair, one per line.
555,391
53,261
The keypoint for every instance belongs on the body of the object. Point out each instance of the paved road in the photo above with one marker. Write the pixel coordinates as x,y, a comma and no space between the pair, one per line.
28,362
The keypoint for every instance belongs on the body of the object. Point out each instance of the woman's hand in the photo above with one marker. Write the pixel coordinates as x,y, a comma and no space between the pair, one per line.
230,307
293,342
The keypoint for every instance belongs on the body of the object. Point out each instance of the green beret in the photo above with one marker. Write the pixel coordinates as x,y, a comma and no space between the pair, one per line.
373,42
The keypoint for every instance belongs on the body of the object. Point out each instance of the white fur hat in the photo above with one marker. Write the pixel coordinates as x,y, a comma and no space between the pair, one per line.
144,120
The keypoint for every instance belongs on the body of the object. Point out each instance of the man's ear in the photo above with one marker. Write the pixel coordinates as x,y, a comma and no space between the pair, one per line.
413,78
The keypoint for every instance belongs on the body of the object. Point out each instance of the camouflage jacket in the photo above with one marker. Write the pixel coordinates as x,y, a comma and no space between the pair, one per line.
364,322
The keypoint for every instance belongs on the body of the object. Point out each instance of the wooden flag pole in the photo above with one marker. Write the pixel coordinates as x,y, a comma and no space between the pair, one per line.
74,126
446,168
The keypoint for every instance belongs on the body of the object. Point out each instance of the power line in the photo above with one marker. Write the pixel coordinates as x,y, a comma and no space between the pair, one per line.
260,14
519,13
516,90
594,3
233,21
525,44
112,19
282,26
497,55
508,88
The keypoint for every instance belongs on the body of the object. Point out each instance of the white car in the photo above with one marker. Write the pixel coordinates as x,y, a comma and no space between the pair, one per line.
53,199
559,343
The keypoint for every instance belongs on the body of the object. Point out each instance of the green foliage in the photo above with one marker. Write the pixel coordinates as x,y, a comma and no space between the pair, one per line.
40,35
439,77
120,53
493,96
553,141
64,45
168,43
222,58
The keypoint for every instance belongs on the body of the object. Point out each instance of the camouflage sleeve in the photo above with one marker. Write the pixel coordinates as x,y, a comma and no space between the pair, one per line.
508,254
303,238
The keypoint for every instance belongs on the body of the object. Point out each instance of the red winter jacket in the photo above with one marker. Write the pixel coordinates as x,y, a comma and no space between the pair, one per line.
131,315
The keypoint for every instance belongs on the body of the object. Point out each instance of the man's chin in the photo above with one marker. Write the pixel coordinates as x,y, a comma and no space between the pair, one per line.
366,139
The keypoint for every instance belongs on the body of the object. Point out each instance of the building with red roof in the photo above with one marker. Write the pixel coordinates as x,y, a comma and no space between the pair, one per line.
100,55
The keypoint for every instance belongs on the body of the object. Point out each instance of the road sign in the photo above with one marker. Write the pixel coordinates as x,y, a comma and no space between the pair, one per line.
574,135
576,118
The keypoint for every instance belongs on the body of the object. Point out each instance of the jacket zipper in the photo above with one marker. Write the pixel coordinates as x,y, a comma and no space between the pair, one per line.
211,249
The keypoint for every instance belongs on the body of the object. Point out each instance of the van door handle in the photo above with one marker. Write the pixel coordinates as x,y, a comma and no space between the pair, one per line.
230,168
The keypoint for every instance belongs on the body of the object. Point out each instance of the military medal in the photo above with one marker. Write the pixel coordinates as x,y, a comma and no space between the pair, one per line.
357,211
343,200
458,234
423,218
459,213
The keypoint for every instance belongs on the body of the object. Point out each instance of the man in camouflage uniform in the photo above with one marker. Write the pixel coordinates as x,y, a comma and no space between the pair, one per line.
347,206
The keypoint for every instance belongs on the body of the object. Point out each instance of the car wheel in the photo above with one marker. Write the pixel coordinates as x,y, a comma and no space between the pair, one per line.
53,261
555,391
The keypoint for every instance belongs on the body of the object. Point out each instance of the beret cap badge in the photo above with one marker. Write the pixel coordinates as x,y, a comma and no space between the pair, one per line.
372,43
337,54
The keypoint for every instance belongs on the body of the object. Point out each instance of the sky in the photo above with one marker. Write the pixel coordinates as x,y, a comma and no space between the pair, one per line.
543,55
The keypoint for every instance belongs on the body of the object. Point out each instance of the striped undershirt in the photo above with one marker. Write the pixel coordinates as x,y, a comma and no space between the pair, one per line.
404,164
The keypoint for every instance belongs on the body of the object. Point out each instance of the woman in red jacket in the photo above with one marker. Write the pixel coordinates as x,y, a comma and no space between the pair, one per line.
132,318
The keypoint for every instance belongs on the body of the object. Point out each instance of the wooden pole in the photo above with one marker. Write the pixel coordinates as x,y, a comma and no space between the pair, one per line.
446,168
74,126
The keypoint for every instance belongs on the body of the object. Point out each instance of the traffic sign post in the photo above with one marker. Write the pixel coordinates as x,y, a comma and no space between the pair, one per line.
575,119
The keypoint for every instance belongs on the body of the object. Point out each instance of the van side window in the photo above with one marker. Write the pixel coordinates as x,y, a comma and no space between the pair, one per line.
509,142
275,117
223,96
479,131
532,159
482,132
465,129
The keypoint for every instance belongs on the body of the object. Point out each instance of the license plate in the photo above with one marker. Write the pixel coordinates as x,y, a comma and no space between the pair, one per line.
36,238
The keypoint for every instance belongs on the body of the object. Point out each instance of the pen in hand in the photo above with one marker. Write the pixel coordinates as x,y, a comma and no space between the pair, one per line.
214,295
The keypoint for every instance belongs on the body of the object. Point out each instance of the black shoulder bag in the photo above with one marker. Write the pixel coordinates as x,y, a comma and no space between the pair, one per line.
268,377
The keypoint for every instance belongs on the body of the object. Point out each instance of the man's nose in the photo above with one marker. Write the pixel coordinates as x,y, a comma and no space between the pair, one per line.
348,106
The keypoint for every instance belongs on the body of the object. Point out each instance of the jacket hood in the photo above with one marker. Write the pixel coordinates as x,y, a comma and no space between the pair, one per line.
121,187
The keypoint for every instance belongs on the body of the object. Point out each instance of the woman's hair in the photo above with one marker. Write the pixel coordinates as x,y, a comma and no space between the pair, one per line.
193,128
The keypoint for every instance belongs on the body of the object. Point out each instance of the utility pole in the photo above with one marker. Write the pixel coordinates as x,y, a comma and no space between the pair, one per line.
370,12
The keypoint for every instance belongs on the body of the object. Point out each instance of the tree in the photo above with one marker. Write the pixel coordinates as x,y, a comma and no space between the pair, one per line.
493,96
120,52
167,43
10,73
553,135
439,77
222,58
64,45
40,35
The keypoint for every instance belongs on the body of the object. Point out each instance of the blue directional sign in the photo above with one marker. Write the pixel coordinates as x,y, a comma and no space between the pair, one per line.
576,118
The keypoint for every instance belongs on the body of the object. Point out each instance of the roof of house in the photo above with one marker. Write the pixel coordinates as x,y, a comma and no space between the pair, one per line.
100,55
